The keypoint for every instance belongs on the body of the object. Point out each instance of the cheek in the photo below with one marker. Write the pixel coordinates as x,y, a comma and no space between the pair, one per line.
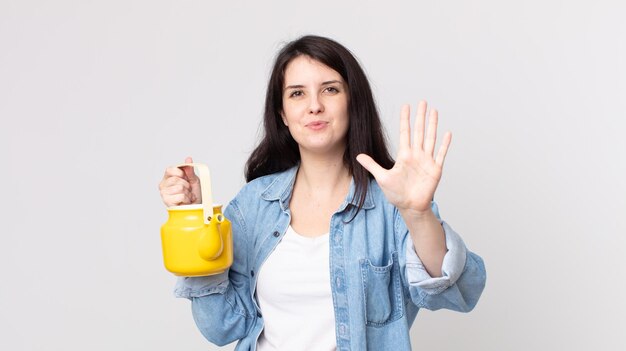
288,120
285,114
345,115
292,114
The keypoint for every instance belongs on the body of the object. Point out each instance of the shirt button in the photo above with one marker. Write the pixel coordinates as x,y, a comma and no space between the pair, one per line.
276,234
342,329
252,273
338,282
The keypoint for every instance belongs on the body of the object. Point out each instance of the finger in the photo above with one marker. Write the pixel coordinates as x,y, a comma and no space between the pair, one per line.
443,149
431,133
179,199
418,138
171,181
173,172
405,128
177,189
168,181
173,200
368,163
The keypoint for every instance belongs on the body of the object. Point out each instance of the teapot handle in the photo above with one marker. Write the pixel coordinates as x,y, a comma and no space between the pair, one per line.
205,188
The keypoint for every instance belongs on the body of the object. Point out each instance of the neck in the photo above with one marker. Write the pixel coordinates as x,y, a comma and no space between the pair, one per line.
323,173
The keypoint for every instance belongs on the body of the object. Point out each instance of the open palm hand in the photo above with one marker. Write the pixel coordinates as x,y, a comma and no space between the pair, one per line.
410,185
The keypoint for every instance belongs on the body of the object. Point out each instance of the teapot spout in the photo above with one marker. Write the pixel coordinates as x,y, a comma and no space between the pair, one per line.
210,243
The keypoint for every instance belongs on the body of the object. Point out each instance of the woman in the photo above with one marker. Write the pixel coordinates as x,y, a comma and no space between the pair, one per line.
336,246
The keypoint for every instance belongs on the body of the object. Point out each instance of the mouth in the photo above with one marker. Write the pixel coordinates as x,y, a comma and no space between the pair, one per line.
316,125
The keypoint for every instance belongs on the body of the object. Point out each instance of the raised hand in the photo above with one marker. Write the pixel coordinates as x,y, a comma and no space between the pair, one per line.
410,185
180,186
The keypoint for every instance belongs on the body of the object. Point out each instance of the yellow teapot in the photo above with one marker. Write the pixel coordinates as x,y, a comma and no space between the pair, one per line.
197,239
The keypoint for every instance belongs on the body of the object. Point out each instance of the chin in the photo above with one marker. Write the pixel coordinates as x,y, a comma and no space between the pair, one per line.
322,148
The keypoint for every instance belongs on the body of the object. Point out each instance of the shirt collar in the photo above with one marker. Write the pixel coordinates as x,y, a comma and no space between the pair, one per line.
282,186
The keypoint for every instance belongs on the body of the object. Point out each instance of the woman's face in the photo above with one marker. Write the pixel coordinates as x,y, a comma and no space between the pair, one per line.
315,106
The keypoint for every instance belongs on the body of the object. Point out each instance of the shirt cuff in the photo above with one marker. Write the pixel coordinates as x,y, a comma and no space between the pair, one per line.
189,287
451,268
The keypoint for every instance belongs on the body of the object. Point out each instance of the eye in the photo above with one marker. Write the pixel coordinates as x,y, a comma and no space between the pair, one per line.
331,90
296,93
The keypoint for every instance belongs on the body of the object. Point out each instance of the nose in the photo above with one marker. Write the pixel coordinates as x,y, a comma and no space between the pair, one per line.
315,105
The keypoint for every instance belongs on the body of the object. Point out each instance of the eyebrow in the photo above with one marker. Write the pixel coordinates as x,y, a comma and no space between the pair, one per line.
298,86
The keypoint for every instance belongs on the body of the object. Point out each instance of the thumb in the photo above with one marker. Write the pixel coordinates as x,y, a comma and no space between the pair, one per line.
189,170
372,166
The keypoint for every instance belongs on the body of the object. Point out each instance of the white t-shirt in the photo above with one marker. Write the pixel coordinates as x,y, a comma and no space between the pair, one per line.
293,290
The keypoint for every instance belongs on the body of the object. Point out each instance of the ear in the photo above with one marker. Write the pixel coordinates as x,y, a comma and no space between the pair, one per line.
282,115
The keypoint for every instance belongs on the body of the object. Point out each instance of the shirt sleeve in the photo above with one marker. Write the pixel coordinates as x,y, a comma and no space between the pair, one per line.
452,266
463,274
189,287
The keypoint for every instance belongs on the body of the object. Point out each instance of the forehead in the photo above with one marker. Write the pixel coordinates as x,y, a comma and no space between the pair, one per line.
304,69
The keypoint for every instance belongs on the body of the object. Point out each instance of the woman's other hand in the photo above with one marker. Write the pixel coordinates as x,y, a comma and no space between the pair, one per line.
180,186
410,185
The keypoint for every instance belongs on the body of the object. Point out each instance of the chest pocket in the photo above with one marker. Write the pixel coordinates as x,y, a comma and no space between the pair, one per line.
382,292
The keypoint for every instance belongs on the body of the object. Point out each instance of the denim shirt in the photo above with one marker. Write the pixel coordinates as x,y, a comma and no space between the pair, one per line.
378,282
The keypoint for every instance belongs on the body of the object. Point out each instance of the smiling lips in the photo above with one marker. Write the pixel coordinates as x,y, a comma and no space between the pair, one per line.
316,125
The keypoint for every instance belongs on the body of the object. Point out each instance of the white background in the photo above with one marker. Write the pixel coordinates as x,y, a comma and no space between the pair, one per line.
98,97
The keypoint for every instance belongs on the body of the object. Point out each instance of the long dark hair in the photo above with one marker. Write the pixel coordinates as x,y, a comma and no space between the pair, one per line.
278,151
